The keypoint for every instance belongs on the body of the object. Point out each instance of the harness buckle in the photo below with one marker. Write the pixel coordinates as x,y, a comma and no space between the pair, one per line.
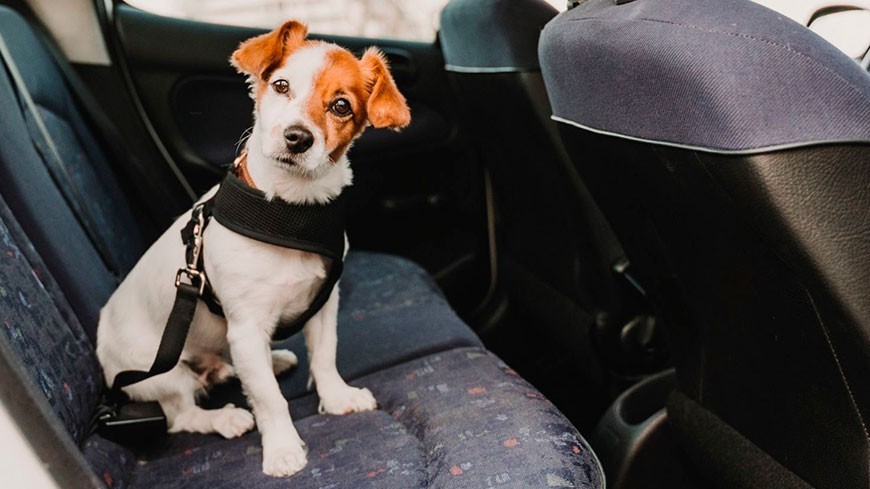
193,237
196,277
195,247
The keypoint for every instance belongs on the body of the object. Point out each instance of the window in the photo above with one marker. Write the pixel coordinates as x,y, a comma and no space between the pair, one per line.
413,20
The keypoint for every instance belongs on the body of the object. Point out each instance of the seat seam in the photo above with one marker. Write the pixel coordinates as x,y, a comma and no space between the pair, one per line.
705,165
842,373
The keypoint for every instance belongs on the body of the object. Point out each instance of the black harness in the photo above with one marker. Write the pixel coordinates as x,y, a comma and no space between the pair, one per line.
242,209
314,228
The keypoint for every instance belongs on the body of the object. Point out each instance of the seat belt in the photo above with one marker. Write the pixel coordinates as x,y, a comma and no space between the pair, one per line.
50,155
112,139
144,423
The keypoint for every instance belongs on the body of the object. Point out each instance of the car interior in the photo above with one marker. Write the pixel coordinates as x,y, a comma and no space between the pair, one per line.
623,245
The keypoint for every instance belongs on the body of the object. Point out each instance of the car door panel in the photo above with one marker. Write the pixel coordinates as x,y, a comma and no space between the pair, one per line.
417,192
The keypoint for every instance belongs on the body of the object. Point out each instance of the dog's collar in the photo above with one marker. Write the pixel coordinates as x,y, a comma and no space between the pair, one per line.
240,168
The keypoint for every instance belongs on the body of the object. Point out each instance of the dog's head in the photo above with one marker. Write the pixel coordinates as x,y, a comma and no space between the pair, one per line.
313,98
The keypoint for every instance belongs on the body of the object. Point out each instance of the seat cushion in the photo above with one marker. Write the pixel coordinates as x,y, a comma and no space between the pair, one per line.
456,419
390,311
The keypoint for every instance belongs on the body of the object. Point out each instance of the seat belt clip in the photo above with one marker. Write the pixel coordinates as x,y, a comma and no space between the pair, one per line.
134,423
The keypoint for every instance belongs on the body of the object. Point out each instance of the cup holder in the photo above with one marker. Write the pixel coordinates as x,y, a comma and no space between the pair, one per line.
643,400
634,419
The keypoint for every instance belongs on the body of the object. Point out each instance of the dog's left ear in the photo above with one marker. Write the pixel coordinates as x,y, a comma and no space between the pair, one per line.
260,55
386,106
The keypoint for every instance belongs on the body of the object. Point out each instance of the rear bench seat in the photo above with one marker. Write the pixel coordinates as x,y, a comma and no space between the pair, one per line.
450,413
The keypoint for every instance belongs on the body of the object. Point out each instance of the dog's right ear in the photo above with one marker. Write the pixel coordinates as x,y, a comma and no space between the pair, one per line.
386,106
261,55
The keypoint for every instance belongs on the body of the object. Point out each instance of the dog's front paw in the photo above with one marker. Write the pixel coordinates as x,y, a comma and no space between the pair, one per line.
284,460
283,360
232,422
345,400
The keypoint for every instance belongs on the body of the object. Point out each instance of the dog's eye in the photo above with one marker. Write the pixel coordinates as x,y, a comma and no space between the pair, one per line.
341,107
281,86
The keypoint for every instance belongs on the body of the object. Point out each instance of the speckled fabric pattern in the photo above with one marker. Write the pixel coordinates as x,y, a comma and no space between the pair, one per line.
38,326
112,463
457,419
482,425
375,285
364,450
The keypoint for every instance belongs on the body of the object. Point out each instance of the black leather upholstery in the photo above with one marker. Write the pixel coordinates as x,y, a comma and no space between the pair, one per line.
762,264
538,194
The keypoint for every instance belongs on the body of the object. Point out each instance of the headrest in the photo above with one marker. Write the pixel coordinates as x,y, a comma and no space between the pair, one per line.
725,76
492,36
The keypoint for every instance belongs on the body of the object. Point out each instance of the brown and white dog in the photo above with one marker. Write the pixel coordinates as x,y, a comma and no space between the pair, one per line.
312,100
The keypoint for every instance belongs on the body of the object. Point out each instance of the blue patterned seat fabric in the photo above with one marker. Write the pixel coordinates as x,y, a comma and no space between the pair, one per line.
451,414
457,418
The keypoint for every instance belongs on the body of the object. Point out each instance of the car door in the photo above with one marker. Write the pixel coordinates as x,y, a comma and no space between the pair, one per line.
416,193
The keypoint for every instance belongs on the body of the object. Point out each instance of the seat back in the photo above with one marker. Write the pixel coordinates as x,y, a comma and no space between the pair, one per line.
51,378
38,198
734,165
555,250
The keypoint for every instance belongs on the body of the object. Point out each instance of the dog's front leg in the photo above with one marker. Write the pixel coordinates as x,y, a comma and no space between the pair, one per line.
283,449
321,338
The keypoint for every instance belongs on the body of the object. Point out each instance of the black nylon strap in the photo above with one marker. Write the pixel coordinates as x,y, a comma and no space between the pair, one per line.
172,342
310,227
285,330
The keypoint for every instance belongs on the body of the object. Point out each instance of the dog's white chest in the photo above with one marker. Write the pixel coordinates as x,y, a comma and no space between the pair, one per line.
249,272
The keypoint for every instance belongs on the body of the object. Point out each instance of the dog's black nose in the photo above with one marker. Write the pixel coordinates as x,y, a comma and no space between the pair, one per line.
298,139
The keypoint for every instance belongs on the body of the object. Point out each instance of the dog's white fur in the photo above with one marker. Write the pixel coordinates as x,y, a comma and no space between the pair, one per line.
258,284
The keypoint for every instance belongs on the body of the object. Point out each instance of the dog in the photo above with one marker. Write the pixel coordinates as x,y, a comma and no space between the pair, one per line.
312,100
